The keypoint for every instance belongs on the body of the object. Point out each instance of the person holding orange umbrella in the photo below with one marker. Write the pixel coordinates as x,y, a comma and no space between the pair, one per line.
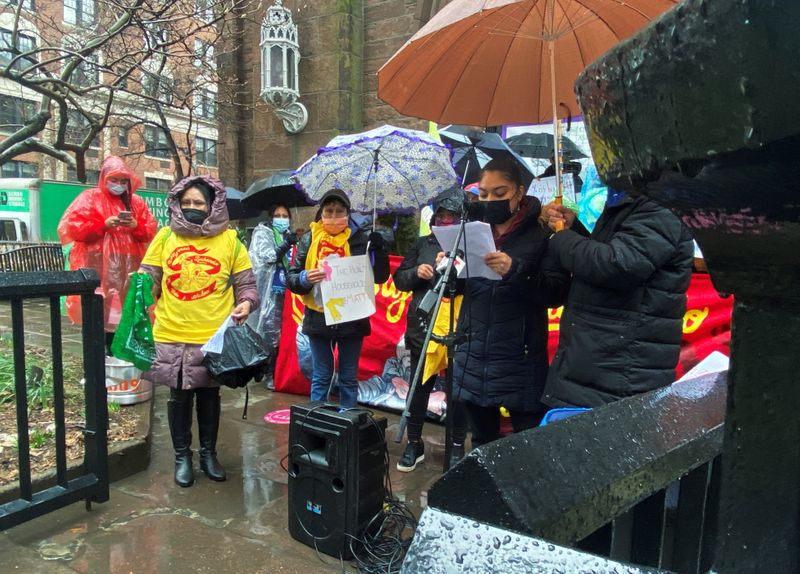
495,62
621,327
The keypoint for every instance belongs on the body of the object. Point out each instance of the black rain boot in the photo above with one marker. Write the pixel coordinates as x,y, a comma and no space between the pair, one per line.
179,414
208,408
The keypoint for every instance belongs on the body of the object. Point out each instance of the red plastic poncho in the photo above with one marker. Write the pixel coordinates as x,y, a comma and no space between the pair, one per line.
113,252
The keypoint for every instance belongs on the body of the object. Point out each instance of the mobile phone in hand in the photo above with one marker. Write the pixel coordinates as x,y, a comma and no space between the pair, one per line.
125,215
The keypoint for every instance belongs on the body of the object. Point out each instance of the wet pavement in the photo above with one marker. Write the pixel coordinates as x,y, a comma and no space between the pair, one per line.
150,525
36,317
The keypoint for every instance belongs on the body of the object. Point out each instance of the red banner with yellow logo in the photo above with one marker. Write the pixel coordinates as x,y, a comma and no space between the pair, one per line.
706,328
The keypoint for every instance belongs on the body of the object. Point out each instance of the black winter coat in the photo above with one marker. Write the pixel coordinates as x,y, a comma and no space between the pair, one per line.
621,326
503,360
314,321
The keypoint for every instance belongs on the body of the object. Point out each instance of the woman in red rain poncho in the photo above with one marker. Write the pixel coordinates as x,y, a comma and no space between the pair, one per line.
109,228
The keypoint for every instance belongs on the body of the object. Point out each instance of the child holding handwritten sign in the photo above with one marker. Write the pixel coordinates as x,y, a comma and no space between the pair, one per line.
333,233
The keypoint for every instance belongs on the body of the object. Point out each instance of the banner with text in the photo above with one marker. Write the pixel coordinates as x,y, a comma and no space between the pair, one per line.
544,189
383,369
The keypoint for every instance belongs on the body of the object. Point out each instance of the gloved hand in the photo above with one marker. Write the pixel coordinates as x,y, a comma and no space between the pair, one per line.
289,239
376,242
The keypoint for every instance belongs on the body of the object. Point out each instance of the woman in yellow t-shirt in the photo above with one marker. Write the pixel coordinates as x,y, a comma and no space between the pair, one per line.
202,275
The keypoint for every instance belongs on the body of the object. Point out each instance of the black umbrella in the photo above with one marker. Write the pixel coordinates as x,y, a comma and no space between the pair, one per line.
472,149
540,146
236,210
277,188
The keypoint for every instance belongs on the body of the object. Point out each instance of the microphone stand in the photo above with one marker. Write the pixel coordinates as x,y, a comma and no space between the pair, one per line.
446,282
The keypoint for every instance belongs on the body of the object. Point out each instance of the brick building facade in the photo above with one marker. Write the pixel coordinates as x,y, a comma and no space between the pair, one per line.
342,45
57,23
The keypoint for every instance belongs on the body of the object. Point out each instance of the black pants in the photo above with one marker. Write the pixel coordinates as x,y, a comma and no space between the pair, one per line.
485,422
419,406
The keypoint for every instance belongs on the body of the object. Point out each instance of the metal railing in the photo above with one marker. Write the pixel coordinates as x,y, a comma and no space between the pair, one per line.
92,483
20,257
636,481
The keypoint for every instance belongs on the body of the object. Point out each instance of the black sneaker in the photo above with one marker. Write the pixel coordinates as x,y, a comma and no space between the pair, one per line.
456,454
414,453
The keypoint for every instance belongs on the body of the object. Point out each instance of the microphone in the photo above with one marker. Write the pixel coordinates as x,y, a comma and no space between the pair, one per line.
428,302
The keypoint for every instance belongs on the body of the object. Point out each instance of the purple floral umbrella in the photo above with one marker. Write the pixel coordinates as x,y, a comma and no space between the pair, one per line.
384,170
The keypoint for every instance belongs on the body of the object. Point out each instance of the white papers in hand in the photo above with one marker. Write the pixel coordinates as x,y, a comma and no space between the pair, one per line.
476,243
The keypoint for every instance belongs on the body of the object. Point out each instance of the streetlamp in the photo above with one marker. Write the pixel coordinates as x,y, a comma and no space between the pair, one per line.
280,56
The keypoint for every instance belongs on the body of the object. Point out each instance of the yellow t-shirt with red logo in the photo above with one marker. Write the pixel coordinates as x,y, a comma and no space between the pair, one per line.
195,299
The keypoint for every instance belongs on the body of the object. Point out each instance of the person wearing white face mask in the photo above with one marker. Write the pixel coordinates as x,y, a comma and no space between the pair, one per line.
269,252
109,227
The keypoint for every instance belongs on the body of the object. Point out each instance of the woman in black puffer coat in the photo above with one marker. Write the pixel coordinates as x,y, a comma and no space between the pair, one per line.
621,327
503,361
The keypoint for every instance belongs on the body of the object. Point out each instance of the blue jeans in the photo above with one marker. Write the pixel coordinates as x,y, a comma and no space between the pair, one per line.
322,368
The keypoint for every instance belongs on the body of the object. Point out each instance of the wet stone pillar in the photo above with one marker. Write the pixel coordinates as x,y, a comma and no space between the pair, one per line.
700,112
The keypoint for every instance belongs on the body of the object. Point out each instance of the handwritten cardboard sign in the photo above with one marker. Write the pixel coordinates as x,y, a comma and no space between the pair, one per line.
545,189
348,290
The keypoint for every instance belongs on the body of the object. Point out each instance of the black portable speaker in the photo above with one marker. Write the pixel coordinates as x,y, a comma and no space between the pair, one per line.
337,469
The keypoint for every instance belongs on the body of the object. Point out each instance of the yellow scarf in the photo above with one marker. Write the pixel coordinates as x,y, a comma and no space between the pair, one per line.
322,245
436,353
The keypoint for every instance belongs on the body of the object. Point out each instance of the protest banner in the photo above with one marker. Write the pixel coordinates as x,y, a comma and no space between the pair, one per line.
348,290
706,328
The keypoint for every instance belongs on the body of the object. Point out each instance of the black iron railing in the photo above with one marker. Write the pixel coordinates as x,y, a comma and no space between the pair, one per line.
92,484
635,481
23,257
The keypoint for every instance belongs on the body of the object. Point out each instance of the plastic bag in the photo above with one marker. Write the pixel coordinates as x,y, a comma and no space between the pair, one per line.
214,344
133,340
241,358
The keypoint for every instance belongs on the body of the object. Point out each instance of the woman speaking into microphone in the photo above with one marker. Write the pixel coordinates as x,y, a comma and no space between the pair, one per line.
503,360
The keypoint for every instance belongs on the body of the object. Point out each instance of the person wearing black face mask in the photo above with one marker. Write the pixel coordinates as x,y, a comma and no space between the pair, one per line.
503,361
202,275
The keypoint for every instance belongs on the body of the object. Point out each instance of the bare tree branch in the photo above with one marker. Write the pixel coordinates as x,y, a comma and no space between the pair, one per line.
101,77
